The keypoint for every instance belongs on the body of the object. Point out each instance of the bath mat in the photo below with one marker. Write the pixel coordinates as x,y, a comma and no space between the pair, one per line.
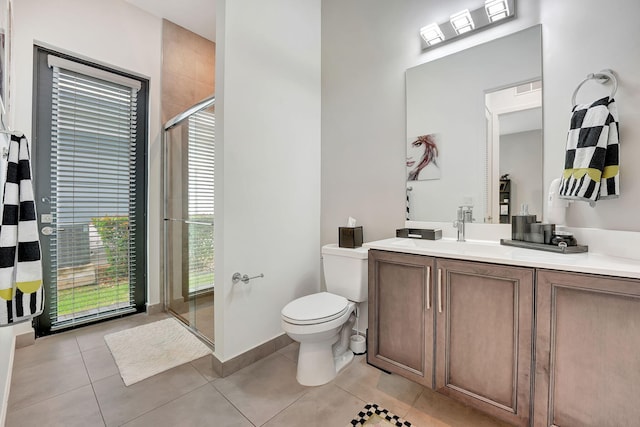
147,350
373,415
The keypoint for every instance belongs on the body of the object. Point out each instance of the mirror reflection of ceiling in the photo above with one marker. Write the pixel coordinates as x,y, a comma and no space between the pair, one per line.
445,98
198,16
521,121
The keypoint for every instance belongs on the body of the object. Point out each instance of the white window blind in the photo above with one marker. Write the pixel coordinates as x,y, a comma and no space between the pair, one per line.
201,164
93,193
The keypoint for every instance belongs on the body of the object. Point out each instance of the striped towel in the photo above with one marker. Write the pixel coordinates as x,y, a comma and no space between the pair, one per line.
21,294
592,161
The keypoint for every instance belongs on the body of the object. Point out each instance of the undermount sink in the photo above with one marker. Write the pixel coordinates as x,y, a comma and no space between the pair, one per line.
480,247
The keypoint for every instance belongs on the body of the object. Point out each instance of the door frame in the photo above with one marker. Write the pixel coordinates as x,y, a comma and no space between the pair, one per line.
41,155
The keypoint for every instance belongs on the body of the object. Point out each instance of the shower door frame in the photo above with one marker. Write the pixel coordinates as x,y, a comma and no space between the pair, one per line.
166,295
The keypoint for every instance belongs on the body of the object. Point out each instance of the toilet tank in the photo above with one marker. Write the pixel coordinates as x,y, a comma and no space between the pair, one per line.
346,271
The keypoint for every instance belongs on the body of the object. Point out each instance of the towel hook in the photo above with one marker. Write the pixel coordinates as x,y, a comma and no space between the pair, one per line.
602,77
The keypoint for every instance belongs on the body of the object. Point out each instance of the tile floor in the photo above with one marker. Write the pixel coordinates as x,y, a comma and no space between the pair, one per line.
70,379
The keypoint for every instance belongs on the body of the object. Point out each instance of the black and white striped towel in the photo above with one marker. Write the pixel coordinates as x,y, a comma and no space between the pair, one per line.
21,293
592,160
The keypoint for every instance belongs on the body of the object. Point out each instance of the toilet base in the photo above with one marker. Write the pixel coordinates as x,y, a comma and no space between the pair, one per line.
343,360
316,363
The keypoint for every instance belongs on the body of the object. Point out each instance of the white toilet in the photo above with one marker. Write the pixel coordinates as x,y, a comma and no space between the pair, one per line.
322,322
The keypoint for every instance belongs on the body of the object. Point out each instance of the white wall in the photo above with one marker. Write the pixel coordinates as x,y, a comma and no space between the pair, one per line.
366,47
368,44
582,37
113,33
267,165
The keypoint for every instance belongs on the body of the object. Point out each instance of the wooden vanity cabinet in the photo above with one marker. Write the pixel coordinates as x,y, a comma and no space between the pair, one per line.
463,328
587,370
484,334
401,322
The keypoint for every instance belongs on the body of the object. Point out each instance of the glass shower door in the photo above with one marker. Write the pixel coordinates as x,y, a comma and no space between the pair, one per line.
189,220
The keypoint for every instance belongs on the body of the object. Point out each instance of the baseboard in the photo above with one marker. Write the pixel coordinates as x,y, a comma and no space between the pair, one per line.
224,369
26,339
155,308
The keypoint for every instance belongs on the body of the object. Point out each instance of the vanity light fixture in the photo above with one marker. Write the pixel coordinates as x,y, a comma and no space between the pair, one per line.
468,21
462,22
496,9
432,34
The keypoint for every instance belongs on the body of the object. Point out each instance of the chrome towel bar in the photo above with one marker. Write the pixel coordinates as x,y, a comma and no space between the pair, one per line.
244,278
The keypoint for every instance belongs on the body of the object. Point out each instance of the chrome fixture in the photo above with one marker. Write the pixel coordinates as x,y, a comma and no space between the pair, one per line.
465,22
465,215
602,77
496,9
432,34
184,221
462,22
200,106
244,278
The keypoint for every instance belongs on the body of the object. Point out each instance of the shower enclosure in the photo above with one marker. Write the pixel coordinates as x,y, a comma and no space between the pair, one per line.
188,175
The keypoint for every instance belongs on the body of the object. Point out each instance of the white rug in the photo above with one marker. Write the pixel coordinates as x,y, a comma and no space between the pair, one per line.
149,349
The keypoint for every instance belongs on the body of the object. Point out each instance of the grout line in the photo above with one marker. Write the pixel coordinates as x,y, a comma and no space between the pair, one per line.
20,408
13,408
232,404
95,396
164,404
306,390
413,405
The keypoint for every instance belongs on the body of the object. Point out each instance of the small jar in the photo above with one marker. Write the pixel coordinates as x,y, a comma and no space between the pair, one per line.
563,237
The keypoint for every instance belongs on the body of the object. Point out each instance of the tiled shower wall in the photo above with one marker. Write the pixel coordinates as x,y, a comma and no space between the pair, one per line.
188,69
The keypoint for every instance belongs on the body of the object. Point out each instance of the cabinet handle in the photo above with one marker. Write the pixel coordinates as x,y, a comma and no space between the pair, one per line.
428,288
439,290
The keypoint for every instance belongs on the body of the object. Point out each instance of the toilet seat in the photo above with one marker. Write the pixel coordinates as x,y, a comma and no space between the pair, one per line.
315,309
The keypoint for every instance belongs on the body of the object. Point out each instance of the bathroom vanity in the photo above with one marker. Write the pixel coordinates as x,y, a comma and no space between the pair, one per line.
529,337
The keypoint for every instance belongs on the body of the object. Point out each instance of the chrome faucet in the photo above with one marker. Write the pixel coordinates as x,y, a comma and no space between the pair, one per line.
465,215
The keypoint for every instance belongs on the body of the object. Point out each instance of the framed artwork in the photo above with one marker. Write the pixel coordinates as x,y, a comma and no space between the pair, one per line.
423,157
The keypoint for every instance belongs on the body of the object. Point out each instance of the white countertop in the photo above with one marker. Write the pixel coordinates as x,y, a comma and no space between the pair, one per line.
494,252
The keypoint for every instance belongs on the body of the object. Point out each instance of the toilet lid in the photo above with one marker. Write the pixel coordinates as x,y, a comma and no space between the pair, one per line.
315,308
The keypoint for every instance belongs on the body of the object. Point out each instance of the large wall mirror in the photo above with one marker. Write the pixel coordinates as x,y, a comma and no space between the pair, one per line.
474,131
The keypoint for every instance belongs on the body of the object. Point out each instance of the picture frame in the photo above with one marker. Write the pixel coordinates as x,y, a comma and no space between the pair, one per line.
424,157
5,54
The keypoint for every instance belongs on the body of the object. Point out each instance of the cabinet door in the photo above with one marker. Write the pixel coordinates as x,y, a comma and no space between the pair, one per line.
484,325
587,350
400,336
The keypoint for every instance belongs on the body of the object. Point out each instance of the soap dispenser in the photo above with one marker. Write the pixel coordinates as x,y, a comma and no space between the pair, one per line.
521,224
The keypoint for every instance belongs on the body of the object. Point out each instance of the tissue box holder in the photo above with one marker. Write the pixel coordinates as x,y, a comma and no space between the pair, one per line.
350,237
